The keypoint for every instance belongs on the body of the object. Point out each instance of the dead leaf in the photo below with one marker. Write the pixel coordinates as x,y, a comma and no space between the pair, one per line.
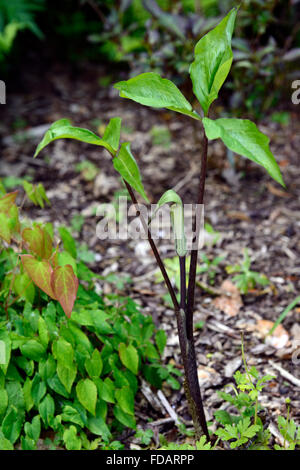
276,191
279,337
238,215
229,304
208,376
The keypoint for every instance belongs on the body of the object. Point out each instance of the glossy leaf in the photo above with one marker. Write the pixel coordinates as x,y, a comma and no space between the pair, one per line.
47,409
64,284
125,164
125,400
129,357
12,424
94,365
40,272
150,89
112,133
24,287
161,340
33,349
63,129
66,375
86,392
63,352
124,418
213,59
68,241
243,137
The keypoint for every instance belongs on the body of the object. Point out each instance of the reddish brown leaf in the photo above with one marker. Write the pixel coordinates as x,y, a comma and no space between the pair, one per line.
231,303
7,201
65,284
40,272
38,240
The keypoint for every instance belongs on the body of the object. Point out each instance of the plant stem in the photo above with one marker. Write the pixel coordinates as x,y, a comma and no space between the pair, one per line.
182,261
194,252
154,249
191,384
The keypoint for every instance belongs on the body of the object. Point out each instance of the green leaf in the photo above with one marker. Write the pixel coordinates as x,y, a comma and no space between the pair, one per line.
5,444
12,424
96,424
24,287
213,59
5,350
106,390
43,332
33,429
71,414
112,133
243,137
125,164
47,409
68,241
125,400
71,440
150,89
129,357
29,403
33,349
66,375
94,365
38,389
63,129
3,401
86,392
63,352
161,340
124,418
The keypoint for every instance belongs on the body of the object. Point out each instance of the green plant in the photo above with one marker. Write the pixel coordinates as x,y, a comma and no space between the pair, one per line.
199,445
289,431
75,376
17,15
240,429
211,65
247,279
284,314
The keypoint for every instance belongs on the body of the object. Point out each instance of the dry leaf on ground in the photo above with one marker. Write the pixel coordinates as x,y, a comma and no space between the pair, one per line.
278,339
229,304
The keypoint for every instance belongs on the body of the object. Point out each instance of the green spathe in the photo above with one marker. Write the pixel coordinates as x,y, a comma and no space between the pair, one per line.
243,137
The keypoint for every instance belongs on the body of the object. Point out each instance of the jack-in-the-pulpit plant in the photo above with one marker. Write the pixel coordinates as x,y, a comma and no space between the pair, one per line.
208,71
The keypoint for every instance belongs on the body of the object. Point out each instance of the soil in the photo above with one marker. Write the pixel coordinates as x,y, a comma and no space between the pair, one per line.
242,204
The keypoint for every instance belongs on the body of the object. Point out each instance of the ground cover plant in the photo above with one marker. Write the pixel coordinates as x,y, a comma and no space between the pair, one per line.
208,72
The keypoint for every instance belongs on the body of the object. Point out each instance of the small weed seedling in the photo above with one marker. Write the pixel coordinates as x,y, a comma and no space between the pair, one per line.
246,279
212,62
246,427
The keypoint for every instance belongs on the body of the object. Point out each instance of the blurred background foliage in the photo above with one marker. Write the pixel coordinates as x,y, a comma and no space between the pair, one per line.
160,35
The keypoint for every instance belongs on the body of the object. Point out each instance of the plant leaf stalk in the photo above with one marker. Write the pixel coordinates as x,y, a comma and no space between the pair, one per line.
191,383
